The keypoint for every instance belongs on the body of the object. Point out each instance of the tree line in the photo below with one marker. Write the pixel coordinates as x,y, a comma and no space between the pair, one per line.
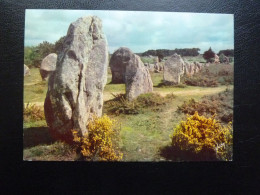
168,52
33,55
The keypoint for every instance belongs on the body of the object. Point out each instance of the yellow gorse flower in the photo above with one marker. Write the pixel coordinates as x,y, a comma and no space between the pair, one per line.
99,142
199,132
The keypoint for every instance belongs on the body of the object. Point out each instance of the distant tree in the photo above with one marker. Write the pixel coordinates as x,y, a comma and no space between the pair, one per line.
160,56
45,48
58,46
209,55
227,52
33,55
168,52
222,58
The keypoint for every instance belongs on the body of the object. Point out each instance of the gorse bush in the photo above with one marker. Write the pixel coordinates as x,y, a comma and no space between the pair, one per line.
199,134
101,142
120,105
220,104
33,113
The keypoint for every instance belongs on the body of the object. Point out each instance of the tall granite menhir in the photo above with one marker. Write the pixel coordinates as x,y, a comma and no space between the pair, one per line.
128,68
173,69
75,89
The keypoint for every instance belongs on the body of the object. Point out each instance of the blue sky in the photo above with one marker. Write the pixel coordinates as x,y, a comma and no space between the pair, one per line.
139,31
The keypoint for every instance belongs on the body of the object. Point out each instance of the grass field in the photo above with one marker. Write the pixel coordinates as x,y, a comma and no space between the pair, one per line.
143,136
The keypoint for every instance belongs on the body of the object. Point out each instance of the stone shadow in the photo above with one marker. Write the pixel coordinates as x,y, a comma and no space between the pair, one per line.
172,153
34,136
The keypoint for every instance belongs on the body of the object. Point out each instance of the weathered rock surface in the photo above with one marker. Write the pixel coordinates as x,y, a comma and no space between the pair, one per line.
189,68
48,65
118,62
173,69
75,88
135,75
156,67
198,66
26,71
216,60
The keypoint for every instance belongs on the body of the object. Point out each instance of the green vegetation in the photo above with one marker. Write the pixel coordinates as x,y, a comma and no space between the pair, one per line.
220,104
212,76
32,112
120,105
56,151
147,60
144,136
34,88
33,55
227,52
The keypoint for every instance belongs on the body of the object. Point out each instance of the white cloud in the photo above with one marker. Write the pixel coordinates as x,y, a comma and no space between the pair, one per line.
139,31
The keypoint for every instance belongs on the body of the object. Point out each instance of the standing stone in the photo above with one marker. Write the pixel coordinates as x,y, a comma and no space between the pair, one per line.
48,65
198,66
75,89
173,69
26,70
216,59
151,67
156,67
118,63
135,75
189,68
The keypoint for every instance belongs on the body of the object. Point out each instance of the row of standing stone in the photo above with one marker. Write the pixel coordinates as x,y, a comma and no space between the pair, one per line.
76,83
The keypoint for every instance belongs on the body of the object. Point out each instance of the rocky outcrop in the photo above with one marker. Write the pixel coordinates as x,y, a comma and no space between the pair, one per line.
173,69
48,65
26,70
75,88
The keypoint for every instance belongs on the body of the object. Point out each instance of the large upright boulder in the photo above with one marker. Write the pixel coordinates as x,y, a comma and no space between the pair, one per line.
26,70
118,62
198,66
48,65
135,75
75,88
173,69
189,68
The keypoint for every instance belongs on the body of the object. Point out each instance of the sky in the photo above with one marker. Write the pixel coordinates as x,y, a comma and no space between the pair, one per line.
138,30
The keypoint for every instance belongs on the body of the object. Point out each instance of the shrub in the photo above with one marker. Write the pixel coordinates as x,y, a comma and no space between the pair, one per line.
120,105
33,112
153,99
101,142
199,134
221,104
171,85
201,80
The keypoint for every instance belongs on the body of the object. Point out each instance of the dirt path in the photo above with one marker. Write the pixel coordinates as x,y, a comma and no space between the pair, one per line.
194,92
185,93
